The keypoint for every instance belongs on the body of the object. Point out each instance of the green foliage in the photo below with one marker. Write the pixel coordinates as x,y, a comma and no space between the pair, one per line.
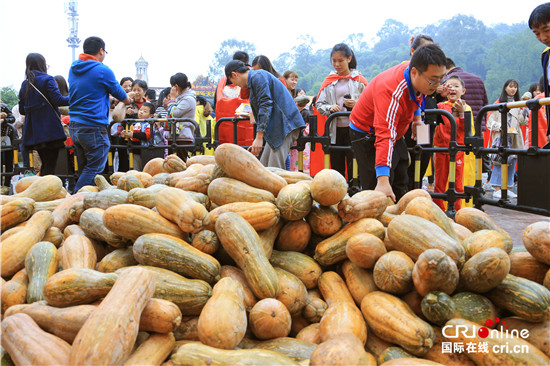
225,54
494,53
8,95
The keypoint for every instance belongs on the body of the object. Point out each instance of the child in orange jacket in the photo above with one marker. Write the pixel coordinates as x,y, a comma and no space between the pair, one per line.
442,137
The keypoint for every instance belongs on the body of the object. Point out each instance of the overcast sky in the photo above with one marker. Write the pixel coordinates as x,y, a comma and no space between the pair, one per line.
182,36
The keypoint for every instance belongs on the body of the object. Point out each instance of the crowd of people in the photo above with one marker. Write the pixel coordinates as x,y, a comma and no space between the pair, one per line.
386,115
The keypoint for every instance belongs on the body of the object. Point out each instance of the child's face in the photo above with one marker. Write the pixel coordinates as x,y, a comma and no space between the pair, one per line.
144,112
456,90
511,89
542,32
536,92
140,93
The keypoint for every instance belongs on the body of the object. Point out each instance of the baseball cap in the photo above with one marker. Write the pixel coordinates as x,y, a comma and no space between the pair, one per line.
235,66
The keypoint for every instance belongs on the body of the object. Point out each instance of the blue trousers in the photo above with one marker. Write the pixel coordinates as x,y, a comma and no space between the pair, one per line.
91,144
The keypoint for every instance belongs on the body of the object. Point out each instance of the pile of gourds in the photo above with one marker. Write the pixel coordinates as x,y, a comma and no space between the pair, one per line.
219,260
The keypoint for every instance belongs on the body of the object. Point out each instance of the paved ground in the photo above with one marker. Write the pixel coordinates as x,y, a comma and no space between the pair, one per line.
514,222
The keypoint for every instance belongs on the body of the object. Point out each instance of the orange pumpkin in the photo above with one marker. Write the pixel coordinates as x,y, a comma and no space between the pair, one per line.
365,249
393,273
269,319
328,187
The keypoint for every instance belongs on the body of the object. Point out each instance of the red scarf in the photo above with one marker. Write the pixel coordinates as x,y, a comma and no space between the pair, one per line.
335,77
86,57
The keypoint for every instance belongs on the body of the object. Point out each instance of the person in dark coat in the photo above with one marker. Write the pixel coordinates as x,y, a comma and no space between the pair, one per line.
39,98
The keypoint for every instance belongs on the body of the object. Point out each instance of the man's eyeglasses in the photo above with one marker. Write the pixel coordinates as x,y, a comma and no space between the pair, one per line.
431,83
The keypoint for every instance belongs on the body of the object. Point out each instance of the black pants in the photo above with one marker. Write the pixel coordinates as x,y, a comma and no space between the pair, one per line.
49,160
339,159
424,157
365,153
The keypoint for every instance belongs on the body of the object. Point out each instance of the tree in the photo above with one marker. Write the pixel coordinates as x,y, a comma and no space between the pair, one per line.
8,95
225,54
201,80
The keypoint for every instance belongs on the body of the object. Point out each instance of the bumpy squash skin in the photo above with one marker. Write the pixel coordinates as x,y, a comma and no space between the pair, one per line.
62,322
299,264
427,209
438,307
27,344
363,204
14,291
435,271
235,273
228,190
77,286
393,273
536,238
41,263
189,295
261,215
223,321
523,264
524,298
413,235
333,249
342,350
533,357
15,212
328,187
179,207
324,220
240,164
131,221
199,354
44,189
15,248
117,259
484,239
108,336
242,243
292,291
359,281
78,251
153,351
91,222
485,270
175,254
392,320
294,201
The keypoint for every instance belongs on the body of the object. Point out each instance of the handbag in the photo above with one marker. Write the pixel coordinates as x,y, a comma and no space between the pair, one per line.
58,115
495,157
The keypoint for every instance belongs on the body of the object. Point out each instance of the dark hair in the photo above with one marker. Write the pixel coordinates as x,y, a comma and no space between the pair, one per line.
151,94
151,106
141,83
163,95
125,79
235,66
420,40
92,45
180,79
534,86
430,54
457,78
299,90
504,96
450,63
265,64
201,99
62,85
344,48
241,56
34,62
540,16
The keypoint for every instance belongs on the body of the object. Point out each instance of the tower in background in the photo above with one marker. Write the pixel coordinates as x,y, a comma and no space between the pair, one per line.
73,40
141,69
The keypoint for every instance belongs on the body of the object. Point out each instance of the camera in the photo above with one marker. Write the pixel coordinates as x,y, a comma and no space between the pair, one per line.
347,96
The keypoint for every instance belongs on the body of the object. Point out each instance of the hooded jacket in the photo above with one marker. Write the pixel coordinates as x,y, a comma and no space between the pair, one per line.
42,120
90,83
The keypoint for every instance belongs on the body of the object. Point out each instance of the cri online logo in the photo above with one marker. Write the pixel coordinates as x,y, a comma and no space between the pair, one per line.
484,332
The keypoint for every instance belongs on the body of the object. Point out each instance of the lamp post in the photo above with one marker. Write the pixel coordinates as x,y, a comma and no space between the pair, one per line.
71,11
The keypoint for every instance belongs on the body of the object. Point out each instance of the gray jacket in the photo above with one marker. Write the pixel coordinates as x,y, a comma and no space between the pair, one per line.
186,103
327,98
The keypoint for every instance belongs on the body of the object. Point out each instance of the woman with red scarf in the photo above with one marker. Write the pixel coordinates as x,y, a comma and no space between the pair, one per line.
339,92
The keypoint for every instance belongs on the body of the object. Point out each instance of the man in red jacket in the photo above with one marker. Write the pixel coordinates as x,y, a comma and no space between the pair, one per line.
382,116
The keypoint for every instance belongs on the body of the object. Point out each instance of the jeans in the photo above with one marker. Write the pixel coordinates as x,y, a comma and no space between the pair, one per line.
91,145
496,176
